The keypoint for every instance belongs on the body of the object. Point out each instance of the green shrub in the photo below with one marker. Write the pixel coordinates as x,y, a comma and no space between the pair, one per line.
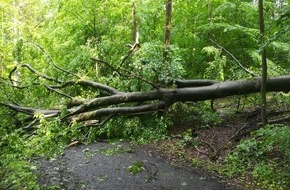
18,149
15,167
200,114
148,63
266,155
149,127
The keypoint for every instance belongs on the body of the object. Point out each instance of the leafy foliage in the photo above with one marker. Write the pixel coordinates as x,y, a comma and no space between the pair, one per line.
266,153
149,64
217,66
199,114
140,129
136,167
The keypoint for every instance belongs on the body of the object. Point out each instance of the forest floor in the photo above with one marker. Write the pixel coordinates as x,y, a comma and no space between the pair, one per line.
208,149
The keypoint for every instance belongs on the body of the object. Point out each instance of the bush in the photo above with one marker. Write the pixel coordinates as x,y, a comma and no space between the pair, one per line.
148,63
149,127
266,155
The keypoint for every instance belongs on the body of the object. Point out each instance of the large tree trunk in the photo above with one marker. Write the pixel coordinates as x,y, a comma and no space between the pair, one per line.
124,103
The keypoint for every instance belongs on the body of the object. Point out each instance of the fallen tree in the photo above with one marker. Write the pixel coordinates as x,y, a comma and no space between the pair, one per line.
99,110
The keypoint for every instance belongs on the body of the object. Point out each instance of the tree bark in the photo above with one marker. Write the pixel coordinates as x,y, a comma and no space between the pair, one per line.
134,23
167,29
264,66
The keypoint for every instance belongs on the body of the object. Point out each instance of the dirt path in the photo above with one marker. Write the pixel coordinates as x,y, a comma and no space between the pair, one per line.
118,166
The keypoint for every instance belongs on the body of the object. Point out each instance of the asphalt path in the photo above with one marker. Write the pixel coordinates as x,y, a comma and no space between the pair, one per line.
119,166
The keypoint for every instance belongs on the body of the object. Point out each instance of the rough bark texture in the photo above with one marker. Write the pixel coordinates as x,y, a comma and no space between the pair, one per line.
167,29
168,22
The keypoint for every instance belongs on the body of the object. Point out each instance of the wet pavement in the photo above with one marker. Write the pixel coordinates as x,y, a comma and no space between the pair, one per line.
119,166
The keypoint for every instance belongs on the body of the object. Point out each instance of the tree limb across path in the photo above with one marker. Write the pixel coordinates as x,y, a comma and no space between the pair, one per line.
97,111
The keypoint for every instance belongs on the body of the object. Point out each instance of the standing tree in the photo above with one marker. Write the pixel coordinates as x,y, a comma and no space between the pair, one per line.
167,29
134,22
264,66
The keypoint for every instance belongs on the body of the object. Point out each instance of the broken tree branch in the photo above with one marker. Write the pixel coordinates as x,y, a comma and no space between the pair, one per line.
120,111
30,68
129,75
31,111
88,83
51,59
235,59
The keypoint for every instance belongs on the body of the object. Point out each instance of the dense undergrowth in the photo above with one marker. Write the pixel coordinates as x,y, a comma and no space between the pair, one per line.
265,156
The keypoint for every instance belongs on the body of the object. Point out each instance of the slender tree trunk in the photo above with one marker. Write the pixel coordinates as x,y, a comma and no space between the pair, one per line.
16,38
264,66
135,38
134,23
209,11
167,29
